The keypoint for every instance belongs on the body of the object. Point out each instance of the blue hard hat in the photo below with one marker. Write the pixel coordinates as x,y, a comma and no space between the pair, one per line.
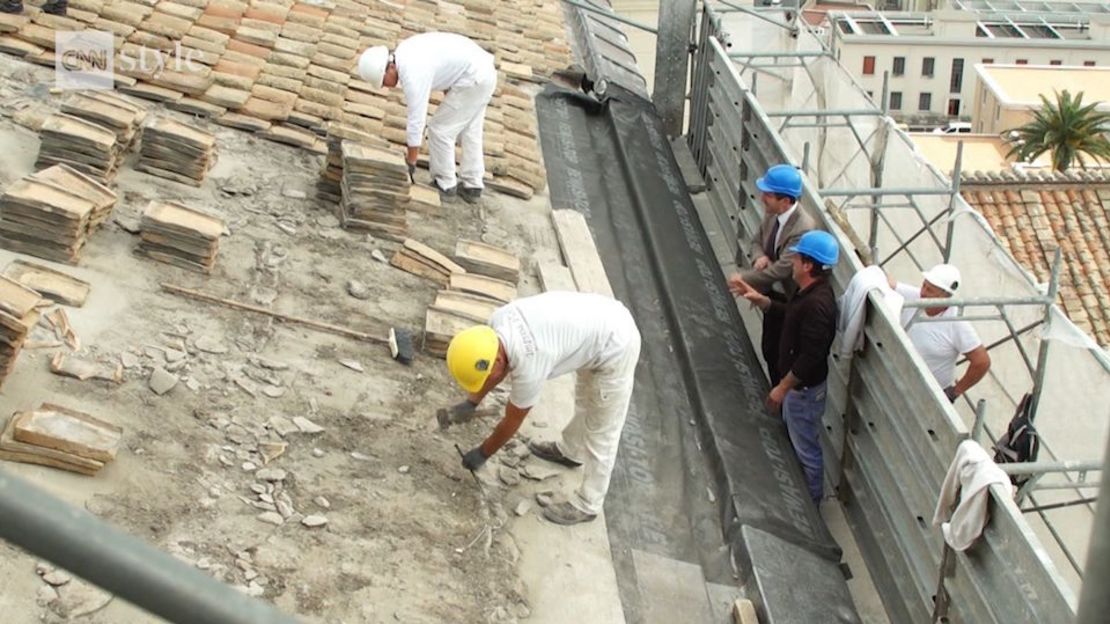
819,245
784,179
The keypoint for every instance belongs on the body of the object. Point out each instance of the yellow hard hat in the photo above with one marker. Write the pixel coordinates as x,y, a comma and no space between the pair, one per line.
470,356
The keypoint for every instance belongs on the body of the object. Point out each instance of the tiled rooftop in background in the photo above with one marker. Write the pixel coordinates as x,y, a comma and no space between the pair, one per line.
285,69
1033,218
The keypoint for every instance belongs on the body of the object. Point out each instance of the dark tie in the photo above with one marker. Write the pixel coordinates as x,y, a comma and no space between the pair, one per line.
769,245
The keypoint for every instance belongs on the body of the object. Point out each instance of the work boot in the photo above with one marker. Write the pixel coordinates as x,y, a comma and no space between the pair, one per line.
470,195
445,194
550,451
11,6
565,513
55,7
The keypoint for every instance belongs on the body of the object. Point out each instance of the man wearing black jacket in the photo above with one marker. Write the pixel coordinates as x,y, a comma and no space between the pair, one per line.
808,324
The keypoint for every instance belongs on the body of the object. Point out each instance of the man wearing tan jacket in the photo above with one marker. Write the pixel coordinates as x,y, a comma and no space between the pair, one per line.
771,271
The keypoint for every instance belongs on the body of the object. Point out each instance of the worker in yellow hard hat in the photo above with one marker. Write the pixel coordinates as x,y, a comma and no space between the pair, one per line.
538,338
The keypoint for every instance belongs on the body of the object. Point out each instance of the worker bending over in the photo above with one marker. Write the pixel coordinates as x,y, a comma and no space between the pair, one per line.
464,71
542,337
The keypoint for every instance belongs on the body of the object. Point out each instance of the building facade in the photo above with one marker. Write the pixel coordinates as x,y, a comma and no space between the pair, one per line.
929,58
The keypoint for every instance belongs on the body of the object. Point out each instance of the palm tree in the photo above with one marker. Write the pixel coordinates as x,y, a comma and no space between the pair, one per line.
1067,129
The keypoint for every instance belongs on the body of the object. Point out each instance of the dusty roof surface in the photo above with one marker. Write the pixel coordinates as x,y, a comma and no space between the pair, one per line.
286,70
1034,218
1024,84
982,152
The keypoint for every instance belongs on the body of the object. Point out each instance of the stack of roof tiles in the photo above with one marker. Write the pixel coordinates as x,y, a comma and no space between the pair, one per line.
81,144
18,314
177,151
179,235
49,214
375,190
286,69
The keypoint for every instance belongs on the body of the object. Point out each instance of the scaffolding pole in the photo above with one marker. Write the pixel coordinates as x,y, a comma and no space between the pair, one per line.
1094,599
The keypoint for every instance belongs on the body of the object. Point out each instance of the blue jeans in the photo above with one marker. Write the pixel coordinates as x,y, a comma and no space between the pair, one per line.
802,411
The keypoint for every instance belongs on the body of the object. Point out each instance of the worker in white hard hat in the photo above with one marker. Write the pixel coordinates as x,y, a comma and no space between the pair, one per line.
440,62
941,343
542,337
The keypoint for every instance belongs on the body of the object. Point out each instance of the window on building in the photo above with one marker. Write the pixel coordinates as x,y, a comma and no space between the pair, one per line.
988,61
927,64
1055,62
1021,62
954,107
1088,63
956,83
868,66
895,100
924,102
899,67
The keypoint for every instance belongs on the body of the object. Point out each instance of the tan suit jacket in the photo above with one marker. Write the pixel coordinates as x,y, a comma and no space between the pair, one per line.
781,270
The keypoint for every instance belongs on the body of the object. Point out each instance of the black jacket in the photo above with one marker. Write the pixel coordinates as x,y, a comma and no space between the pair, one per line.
808,327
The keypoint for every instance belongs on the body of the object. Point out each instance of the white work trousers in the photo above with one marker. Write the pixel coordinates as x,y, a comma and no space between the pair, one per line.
461,113
601,405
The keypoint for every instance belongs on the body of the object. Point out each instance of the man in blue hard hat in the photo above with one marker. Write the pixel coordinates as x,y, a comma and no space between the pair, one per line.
808,324
770,256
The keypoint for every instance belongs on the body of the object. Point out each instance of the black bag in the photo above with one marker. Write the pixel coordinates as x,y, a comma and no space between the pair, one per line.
1020,443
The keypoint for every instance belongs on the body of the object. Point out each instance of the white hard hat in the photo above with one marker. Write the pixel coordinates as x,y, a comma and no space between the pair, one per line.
944,276
371,65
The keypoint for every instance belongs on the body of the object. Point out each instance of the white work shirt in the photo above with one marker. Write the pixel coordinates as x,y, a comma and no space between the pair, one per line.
435,61
940,344
783,218
549,335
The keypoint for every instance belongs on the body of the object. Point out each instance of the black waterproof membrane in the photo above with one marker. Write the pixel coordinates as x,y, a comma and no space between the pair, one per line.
698,415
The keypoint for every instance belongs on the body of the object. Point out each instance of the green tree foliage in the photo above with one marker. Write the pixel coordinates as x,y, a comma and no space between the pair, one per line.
1074,134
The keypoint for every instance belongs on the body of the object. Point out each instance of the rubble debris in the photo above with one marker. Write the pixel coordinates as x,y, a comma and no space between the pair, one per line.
271,517
322,502
273,475
78,598
162,381
379,256
176,151
307,426
538,472
509,476
353,365
522,507
85,369
358,290
375,191
483,259
53,285
211,345
314,521
181,236
59,322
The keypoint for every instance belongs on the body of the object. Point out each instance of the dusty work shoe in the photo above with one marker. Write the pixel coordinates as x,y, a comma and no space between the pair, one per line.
565,513
448,194
11,6
470,195
55,7
550,452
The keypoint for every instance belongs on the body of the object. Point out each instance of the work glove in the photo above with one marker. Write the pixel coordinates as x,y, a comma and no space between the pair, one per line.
412,172
474,458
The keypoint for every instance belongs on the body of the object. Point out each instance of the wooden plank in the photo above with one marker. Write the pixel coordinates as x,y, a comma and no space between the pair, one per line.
743,612
70,431
13,450
554,276
580,252
53,285
486,286
475,307
483,259
433,256
410,263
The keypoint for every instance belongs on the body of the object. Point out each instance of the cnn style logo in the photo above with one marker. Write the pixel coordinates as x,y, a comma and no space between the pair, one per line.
83,59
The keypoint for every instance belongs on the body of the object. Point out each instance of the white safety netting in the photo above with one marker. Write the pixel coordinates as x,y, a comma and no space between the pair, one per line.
1074,414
